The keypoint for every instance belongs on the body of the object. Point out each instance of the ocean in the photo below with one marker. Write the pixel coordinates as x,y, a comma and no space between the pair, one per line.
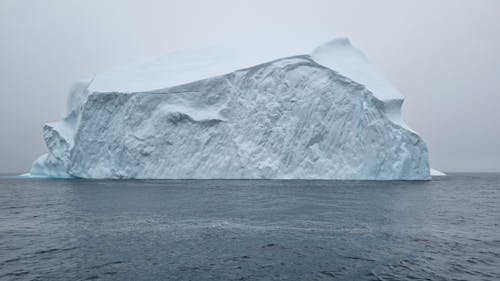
445,229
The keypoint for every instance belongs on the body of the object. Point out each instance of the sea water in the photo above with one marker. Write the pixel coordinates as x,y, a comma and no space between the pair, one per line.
446,229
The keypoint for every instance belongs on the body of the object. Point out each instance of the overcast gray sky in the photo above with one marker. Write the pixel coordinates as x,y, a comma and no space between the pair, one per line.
444,56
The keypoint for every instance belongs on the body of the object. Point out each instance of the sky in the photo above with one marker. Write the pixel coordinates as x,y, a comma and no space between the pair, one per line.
444,57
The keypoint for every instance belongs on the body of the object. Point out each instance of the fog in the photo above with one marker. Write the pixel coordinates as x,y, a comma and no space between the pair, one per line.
444,56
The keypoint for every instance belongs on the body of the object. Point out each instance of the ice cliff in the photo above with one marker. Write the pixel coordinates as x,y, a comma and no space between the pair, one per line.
259,112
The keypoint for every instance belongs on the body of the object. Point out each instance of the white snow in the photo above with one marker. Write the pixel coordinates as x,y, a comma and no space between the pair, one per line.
436,173
298,109
186,66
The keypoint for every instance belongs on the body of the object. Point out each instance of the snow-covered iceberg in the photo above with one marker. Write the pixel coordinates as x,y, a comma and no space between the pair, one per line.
301,111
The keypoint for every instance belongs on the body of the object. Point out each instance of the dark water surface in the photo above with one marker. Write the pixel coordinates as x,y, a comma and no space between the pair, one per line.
447,229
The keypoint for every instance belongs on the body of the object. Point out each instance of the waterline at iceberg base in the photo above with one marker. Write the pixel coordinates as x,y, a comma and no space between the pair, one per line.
300,112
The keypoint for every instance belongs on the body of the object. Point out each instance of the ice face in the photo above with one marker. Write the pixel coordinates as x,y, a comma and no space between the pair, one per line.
327,115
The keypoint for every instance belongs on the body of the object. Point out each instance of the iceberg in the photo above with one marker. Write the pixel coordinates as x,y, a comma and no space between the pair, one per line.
306,110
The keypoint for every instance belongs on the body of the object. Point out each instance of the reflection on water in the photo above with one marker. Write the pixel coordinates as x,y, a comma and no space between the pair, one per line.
250,229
